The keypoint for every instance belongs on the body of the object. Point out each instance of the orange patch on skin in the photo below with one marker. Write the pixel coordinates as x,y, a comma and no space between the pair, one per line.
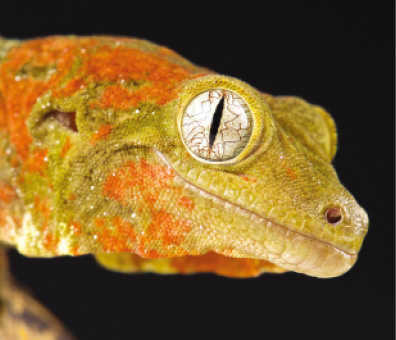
72,87
248,179
15,162
72,197
168,229
132,179
292,173
51,243
75,251
151,198
119,238
37,162
149,253
66,147
50,240
219,264
117,97
117,185
186,202
145,181
75,228
103,133
125,63
7,193
122,63
3,116
42,208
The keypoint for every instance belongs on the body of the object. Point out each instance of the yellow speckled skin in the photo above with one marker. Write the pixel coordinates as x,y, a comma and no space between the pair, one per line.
123,186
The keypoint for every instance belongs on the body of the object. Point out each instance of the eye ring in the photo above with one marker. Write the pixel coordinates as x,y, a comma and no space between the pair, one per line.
254,109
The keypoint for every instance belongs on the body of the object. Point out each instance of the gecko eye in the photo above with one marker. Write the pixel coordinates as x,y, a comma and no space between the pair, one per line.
222,120
216,125
67,119
333,216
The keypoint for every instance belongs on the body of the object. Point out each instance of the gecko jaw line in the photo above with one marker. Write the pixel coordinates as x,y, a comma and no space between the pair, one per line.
249,211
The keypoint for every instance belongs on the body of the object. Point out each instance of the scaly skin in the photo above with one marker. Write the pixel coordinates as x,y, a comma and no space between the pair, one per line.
124,186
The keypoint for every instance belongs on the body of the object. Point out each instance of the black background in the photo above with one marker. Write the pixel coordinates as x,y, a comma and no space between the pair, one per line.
336,54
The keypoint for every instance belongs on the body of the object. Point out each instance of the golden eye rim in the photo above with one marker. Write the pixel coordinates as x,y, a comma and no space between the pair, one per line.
263,124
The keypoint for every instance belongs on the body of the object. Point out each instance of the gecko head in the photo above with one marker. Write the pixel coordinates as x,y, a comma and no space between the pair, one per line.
258,169
222,168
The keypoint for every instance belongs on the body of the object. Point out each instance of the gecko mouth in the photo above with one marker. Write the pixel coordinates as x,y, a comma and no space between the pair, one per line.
306,253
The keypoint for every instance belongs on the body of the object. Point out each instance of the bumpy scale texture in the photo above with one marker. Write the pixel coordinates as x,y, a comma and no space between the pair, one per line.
93,161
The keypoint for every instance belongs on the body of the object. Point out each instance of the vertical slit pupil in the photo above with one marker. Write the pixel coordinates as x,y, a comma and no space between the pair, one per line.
214,127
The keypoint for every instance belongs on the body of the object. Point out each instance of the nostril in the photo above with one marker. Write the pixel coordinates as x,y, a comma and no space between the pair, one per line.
333,216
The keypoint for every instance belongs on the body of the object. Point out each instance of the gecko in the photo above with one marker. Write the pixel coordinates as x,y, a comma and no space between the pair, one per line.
123,149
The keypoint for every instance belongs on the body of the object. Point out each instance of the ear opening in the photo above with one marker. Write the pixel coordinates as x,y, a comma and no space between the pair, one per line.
67,119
